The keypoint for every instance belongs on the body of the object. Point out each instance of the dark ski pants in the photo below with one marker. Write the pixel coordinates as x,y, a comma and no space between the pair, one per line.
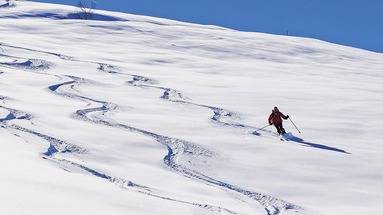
280,128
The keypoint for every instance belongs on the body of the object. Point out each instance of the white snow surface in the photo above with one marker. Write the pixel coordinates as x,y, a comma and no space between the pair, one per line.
127,114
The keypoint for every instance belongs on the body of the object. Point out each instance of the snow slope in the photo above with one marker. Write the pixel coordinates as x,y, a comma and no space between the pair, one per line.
129,114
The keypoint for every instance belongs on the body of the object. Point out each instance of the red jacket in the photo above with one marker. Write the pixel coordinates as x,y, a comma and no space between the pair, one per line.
276,117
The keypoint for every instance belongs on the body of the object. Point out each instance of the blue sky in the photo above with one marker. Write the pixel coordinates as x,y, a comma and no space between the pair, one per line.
357,23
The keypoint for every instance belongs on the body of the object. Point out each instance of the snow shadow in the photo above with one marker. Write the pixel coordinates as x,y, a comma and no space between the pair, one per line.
30,64
95,17
6,5
9,117
33,15
57,16
291,137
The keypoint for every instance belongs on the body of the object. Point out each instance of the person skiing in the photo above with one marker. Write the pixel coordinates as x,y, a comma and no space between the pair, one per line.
276,118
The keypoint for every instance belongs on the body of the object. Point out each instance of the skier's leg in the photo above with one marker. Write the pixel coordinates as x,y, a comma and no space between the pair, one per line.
282,129
277,126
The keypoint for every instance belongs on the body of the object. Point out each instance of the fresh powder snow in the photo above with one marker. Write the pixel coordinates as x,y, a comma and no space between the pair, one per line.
127,114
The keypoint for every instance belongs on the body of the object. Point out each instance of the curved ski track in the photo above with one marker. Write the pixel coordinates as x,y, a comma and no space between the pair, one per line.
177,148
57,146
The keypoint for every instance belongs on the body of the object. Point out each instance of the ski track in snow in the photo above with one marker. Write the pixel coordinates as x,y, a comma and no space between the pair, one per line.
58,146
177,148
272,205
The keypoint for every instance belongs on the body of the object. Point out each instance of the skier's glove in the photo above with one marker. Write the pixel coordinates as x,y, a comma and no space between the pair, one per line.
287,116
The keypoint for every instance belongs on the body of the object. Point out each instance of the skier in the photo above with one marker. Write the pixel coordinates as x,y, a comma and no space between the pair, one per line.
276,119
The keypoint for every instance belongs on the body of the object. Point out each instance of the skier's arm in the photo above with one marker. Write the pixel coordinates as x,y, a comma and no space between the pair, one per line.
283,116
270,117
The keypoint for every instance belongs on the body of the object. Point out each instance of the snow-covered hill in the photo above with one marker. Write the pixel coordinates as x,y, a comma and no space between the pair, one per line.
129,114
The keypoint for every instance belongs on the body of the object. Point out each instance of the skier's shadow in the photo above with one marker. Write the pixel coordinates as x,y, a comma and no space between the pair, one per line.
291,137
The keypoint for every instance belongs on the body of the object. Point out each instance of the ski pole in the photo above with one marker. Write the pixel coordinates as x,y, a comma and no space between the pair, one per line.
294,125
263,128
